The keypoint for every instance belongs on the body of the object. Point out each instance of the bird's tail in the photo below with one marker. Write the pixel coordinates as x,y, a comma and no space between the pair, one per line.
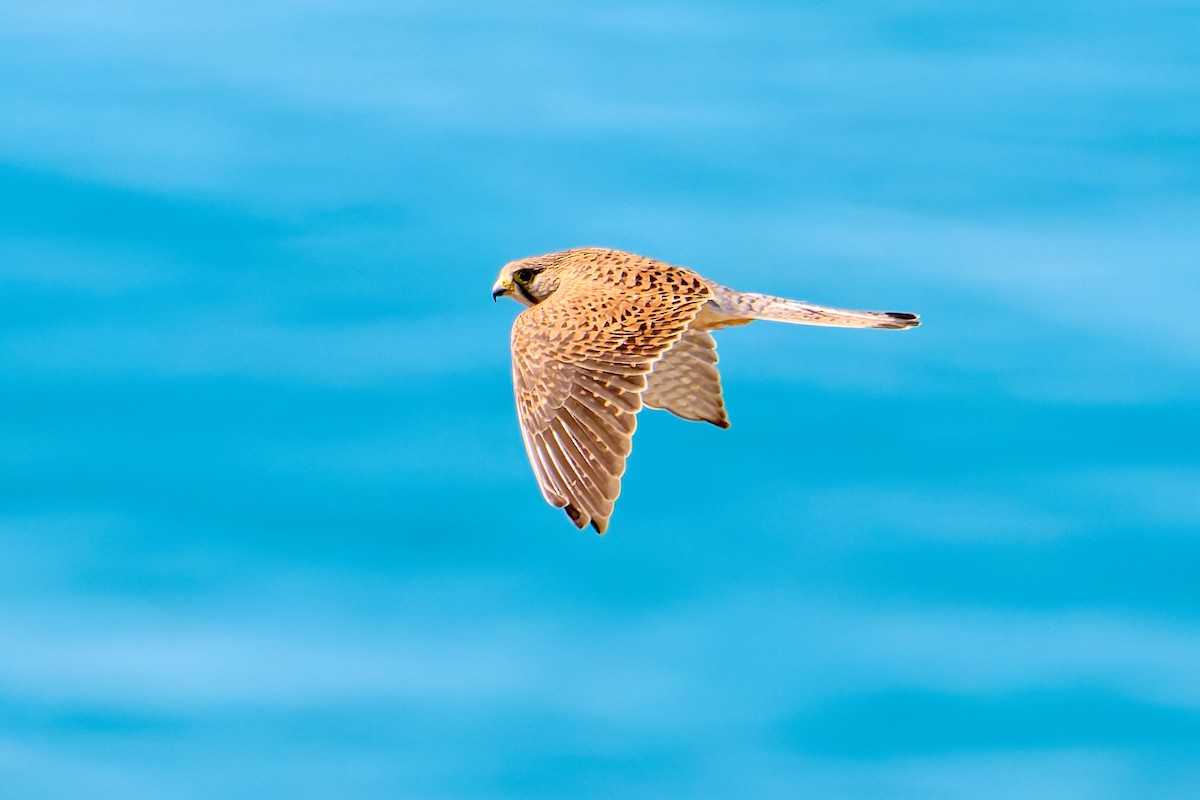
750,306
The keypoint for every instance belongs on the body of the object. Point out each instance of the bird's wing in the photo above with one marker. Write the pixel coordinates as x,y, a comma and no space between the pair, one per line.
580,361
685,380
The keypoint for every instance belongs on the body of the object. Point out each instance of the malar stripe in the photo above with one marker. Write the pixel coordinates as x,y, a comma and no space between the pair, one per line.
525,293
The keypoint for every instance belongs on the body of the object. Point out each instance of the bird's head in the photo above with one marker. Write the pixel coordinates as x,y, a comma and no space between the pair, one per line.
528,281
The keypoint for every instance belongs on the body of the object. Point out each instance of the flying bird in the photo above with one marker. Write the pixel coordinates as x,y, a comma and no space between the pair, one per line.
606,332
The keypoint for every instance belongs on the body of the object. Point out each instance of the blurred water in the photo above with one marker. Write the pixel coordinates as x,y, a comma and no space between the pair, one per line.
266,527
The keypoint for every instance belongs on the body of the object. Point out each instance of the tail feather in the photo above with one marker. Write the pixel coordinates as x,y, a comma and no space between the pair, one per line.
750,306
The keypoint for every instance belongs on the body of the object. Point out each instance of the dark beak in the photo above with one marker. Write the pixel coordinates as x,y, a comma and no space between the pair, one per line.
499,290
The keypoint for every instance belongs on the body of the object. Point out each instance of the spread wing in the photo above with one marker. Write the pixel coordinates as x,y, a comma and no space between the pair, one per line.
580,363
685,380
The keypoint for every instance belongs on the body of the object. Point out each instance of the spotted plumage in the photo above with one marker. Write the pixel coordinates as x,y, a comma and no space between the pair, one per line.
605,333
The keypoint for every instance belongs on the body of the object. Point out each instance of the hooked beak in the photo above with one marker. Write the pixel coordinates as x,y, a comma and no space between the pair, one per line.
501,287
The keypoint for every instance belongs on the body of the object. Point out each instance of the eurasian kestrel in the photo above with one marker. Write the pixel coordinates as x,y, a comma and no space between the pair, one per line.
607,332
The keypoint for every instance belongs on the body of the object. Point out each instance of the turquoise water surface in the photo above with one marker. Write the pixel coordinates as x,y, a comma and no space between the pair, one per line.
266,524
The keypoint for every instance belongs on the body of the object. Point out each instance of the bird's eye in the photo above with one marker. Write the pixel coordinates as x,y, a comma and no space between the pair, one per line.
523,275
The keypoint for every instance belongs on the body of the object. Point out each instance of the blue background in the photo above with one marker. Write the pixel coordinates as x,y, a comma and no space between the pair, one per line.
267,528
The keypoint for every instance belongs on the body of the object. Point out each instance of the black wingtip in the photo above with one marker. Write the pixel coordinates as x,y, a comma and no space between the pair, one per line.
903,320
581,520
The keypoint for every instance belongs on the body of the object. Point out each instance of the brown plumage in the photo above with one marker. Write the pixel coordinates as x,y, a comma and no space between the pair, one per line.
607,332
